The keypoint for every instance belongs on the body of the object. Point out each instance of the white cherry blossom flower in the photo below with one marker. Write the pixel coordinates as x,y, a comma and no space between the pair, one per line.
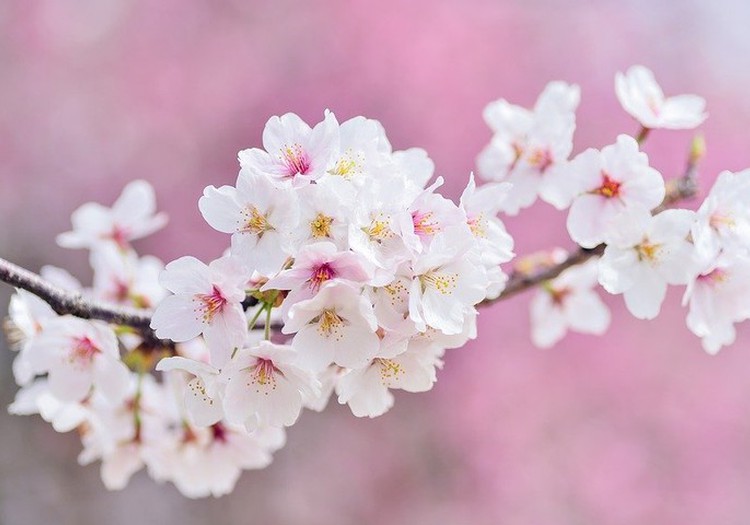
568,302
27,315
367,390
77,355
259,216
723,220
599,185
202,396
131,217
122,277
644,100
644,253
337,325
325,209
718,297
265,386
295,154
207,300
528,145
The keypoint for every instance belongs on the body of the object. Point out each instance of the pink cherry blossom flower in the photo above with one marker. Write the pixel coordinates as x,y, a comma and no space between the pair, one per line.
207,300
644,100
131,217
295,154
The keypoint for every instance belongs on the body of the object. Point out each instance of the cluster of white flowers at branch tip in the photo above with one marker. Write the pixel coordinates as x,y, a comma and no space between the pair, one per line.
348,275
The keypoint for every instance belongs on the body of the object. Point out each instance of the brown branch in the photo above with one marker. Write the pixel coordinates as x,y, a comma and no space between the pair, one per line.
65,302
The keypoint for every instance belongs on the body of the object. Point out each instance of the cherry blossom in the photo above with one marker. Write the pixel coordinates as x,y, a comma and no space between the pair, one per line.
645,253
131,217
599,185
203,393
207,300
569,302
295,154
644,100
266,387
77,355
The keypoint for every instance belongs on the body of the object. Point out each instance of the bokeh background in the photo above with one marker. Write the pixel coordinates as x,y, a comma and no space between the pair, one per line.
638,426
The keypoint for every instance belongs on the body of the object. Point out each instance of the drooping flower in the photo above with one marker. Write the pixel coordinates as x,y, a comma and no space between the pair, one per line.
641,96
568,302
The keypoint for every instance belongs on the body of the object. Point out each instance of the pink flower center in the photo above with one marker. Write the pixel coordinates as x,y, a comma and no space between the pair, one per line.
295,160
715,276
83,350
120,236
610,188
424,223
540,158
210,304
219,433
263,374
320,274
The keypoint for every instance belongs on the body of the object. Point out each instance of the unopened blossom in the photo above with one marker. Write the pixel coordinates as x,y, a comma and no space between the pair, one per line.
718,297
259,216
568,302
76,355
642,97
264,386
315,265
644,254
723,220
336,326
528,145
207,300
131,217
294,153
367,390
599,185
202,393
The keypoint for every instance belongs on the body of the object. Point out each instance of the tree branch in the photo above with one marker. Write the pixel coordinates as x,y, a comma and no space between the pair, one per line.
66,302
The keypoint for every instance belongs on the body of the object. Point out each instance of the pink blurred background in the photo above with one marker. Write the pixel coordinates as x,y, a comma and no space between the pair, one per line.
639,426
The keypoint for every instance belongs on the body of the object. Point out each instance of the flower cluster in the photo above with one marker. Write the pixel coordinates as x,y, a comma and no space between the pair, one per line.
348,274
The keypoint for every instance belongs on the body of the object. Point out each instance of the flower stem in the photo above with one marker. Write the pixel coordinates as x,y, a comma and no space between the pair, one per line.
269,307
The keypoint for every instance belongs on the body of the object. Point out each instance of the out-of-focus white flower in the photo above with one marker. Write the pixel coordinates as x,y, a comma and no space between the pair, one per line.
718,297
644,100
295,154
528,145
131,217
202,398
27,315
599,185
207,300
77,355
644,253
122,277
723,220
568,302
